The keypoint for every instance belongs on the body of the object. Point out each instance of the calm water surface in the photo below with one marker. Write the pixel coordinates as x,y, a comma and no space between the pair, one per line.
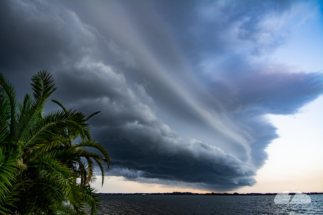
150,204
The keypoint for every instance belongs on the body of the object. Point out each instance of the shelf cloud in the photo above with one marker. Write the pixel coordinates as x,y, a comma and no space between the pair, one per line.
183,87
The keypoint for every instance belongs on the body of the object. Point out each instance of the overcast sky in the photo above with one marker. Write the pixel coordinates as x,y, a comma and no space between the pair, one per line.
185,88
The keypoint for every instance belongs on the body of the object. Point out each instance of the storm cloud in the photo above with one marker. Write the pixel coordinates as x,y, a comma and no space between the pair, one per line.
181,86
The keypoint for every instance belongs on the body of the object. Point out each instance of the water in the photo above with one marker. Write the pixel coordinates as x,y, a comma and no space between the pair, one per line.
171,204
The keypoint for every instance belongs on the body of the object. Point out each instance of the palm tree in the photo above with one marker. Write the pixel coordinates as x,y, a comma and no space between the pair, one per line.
39,164
85,170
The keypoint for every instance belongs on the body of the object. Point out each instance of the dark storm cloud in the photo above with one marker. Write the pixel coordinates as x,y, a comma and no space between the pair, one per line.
181,100
34,37
226,37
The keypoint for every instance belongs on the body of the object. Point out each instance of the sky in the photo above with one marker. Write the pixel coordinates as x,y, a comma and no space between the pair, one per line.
196,96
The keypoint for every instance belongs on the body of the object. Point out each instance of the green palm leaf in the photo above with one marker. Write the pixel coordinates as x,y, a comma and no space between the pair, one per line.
39,161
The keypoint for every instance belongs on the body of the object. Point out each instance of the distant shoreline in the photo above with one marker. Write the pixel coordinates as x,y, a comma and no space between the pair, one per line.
209,194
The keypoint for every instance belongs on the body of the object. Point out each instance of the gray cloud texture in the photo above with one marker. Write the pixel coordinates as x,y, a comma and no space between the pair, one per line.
182,99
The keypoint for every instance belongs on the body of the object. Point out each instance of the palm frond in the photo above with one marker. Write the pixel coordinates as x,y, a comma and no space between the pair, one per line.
60,104
97,146
93,114
8,172
8,92
39,163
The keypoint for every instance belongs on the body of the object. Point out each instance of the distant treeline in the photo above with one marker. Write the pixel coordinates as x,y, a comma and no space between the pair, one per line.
208,194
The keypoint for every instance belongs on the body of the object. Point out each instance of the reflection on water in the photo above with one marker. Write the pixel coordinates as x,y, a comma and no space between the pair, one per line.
168,204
